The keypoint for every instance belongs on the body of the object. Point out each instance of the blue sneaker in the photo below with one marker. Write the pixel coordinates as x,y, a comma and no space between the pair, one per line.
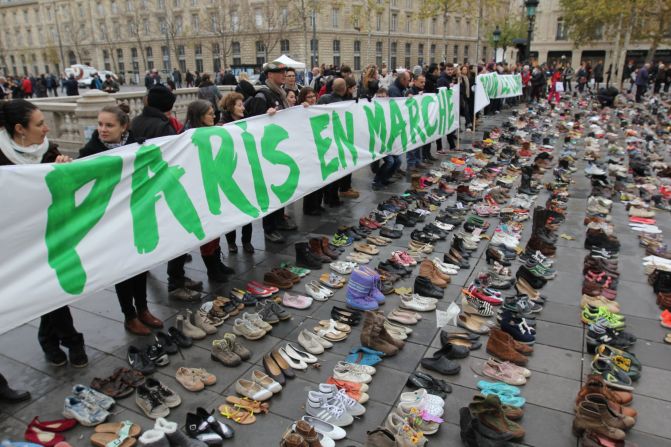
92,396
519,329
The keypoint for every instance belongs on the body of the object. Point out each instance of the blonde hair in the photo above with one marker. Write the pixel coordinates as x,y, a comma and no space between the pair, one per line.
243,76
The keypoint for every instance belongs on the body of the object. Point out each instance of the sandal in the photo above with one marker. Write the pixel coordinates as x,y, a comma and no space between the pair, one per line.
332,280
246,403
116,434
330,333
238,414
366,248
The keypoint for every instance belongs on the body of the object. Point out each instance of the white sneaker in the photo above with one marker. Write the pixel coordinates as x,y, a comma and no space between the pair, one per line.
410,302
370,370
335,395
348,375
309,344
332,412
421,399
440,265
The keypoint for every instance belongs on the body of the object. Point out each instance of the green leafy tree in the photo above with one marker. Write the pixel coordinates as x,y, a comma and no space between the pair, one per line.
511,27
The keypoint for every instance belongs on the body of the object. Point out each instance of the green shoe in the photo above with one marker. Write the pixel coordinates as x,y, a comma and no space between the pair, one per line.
612,375
299,271
591,315
623,359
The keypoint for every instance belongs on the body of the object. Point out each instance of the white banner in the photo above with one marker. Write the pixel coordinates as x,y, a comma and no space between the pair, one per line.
72,229
492,85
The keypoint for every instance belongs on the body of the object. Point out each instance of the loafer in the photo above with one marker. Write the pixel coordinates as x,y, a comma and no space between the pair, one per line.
442,365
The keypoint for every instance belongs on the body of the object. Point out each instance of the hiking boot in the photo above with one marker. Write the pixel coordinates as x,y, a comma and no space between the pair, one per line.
490,414
501,348
222,352
151,403
240,350
315,246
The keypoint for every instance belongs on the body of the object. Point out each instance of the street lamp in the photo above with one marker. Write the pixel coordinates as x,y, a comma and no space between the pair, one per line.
531,6
496,36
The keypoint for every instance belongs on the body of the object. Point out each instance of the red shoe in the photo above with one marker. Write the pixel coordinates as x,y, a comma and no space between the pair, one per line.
41,437
58,425
476,293
258,289
643,220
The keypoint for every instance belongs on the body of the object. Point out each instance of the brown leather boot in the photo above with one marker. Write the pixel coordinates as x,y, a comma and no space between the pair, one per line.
614,407
136,327
293,440
500,349
370,335
490,414
327,250
428,270
595,384
316,249
385,335
308,433
589,416
509,340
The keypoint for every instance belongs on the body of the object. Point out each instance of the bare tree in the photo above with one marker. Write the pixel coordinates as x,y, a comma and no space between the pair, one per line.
224,22
270,21
135,18
171,25
362,16
76,32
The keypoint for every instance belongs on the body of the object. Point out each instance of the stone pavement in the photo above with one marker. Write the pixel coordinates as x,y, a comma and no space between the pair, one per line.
558,363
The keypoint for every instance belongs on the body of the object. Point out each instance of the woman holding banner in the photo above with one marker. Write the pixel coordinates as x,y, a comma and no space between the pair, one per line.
233,109
23,140
113,132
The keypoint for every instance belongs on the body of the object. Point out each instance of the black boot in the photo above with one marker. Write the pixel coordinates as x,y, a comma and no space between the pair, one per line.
9,395
304,258
223,267
77,351
214,272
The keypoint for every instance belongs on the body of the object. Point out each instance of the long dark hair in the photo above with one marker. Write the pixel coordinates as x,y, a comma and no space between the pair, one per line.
195,113
15,111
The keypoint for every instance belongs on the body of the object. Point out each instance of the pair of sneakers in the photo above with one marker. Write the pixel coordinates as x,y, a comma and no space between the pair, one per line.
333,405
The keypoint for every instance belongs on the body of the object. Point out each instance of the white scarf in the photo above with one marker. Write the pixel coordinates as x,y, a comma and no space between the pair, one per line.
20,155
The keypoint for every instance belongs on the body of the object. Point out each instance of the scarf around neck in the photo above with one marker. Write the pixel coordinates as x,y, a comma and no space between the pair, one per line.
279,91
20,155
124,138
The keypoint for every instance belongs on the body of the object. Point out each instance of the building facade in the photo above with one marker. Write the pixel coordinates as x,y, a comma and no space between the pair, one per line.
551,42
131,36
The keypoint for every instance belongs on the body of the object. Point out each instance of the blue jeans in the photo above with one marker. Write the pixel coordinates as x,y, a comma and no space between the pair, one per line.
413,158
390,164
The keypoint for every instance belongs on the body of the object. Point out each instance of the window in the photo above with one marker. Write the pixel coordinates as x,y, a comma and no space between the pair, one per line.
260,53
408,23
433,26
421,26
284,16
49,16
284,46
29,36
178,25
176,3
106,60
133,60
378,53
432,53
334,17
457,26
378,22
394,22
145,26
258,17
314,50
408,5
216,57
163,25
394,50
160,4
466,51
408,51
150,58
336,53
199,57
165,55
103,31
181,56
129,5
100,8
561,30
195,23
115,7
235,21
598,31
117,30
235,51
357,55
394,2
455,54
420,54
81,9
133,54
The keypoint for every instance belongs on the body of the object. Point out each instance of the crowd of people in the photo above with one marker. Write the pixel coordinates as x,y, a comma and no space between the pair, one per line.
23,140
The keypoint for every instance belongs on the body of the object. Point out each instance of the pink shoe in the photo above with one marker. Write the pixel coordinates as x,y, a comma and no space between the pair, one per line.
296,301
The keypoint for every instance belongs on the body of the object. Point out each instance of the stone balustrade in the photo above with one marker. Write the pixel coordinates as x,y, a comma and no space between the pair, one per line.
72,119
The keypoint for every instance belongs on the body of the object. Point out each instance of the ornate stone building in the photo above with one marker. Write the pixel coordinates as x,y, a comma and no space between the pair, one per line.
132,36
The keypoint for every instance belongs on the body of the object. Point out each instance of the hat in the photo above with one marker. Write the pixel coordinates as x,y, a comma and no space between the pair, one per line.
274,67
161,98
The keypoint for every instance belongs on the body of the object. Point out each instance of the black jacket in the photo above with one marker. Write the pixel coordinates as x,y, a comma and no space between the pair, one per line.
152,123
245,88
330,98
95,146
71,87
262,101
396,90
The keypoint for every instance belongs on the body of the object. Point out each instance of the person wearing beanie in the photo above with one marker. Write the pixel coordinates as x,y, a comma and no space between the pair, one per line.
153,122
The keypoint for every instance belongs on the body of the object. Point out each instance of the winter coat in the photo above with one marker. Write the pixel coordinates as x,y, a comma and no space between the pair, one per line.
396,90
95,146
211,93
151,123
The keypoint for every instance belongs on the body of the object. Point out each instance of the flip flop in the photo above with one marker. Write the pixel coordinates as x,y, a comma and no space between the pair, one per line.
118,434
330,333
246,403
235,413
332,280
133,430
